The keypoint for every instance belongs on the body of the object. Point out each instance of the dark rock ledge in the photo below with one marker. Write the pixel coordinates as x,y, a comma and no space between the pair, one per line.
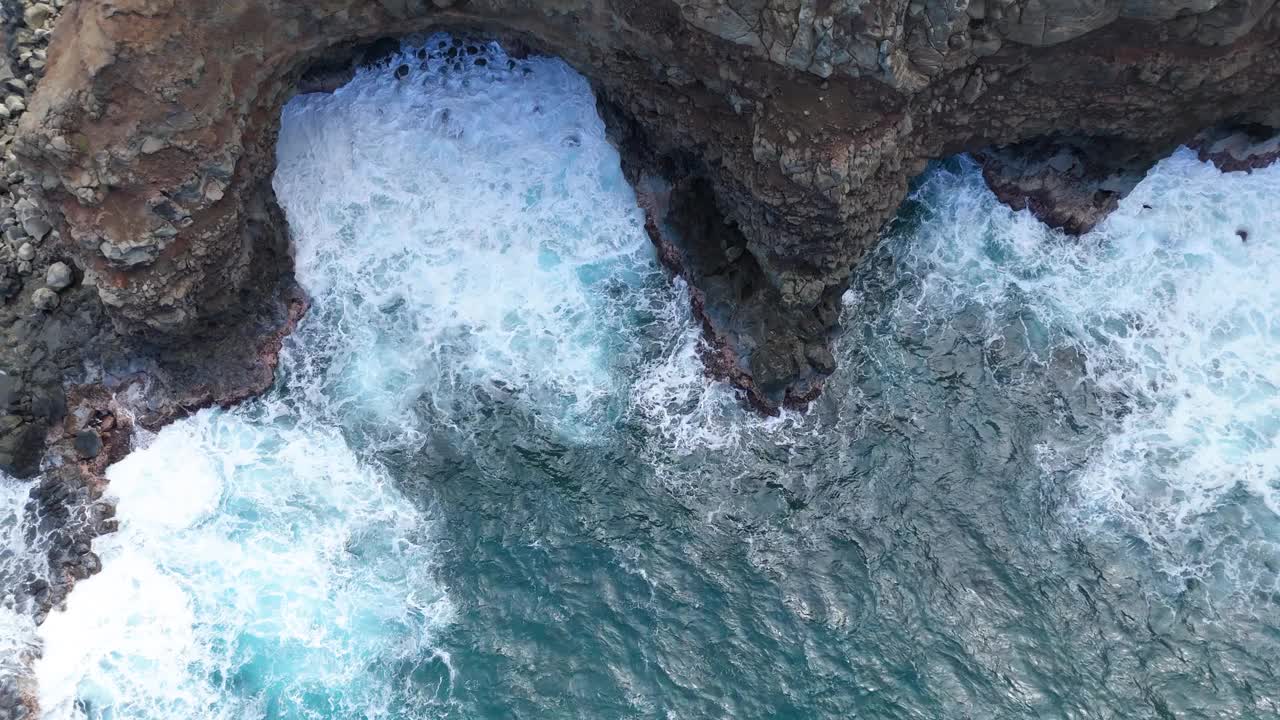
1073,183
72,389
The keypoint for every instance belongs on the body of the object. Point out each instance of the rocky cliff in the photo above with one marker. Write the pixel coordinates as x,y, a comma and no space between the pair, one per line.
783,131
145,267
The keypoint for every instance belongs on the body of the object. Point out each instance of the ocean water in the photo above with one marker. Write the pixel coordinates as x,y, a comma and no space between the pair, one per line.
21,559
492,480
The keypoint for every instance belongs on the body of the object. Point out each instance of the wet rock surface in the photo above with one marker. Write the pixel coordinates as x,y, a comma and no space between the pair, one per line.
1073,183
777,356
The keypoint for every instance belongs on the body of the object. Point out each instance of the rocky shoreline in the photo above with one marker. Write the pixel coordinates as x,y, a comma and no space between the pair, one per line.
802,123
36,278
145,270
73,391
1238,148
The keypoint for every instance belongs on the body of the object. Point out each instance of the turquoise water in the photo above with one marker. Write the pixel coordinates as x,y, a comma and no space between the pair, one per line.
493,480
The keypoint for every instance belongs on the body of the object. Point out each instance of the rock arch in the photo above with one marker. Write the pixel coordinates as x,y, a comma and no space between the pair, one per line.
790,128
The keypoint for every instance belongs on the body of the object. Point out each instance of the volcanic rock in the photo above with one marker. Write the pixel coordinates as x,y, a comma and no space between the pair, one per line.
44,299
59,276
1068,183
88,444
1239,148
786,130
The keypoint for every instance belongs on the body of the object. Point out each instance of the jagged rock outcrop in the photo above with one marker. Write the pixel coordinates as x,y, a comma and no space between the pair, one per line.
1239,148
795,124
1071,183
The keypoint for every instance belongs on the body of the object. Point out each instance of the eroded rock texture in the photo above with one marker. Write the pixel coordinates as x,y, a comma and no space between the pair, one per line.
1071,183
793,126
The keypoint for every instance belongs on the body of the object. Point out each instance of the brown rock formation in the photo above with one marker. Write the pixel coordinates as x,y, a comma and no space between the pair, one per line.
1068,183
1073,183
794,125
1238,148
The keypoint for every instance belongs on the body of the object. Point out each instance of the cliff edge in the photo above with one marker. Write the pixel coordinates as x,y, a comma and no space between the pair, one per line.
785,131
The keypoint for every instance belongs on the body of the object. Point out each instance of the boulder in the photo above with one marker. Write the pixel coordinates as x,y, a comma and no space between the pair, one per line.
37,14
44,299
37,227
59,276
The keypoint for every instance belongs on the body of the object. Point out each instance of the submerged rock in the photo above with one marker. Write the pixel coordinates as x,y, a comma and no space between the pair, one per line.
789,137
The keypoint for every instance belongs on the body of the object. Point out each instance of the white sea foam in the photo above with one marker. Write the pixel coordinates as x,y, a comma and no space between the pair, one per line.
477,217
261,569
19,558
1179,319
485,215
470,229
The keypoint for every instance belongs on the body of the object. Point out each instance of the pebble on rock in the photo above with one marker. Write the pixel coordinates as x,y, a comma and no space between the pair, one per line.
36,15
44,299
27,251
59,276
